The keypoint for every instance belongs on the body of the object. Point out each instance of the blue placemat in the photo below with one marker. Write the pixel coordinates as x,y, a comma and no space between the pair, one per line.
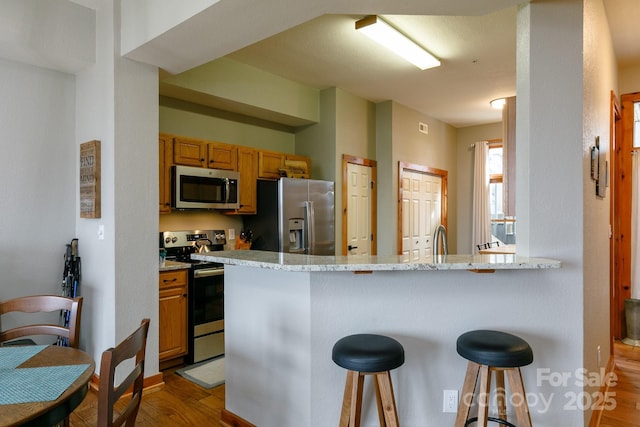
36,384
11,357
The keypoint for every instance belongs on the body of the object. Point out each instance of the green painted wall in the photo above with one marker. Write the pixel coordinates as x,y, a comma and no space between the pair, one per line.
239,83
318,141
180,118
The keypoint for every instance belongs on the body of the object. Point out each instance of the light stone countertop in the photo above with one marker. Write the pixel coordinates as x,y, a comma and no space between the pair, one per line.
174,265
303,263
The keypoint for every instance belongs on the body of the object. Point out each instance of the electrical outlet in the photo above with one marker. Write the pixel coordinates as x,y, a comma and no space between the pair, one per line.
232,234
450,402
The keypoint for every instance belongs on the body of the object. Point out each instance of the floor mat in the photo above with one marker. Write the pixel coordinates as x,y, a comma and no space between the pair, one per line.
207,374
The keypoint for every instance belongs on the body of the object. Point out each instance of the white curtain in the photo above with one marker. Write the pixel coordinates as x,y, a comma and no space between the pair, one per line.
481,224
635,225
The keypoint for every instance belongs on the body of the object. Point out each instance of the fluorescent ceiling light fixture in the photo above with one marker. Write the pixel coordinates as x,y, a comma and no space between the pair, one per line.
398,43
498,103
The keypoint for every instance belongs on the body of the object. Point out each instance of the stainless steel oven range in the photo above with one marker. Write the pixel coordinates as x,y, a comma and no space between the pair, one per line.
206,289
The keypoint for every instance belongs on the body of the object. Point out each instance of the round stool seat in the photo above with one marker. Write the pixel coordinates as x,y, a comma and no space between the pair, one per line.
494,348
368,353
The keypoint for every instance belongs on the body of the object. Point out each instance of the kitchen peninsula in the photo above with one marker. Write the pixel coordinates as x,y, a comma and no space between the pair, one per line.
284,312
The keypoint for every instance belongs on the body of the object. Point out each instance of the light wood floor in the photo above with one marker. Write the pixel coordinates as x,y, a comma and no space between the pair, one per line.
182,403
178,403
627,390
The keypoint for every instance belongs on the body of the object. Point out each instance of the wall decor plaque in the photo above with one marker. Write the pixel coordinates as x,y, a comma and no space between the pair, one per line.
90,179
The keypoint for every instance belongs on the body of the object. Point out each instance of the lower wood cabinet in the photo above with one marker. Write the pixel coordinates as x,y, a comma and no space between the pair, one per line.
173,314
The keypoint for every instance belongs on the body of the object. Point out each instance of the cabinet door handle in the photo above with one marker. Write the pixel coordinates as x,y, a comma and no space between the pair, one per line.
172,280
184,295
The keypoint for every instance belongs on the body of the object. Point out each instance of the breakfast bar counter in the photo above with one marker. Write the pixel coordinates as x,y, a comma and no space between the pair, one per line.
363,263
284,312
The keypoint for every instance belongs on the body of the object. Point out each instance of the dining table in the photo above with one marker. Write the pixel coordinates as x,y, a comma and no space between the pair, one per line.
40,385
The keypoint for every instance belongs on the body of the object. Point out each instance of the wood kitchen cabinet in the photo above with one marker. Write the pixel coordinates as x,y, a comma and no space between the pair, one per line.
298,158
205,154
172,322
222,156
165,160
248,167
253,164
270,163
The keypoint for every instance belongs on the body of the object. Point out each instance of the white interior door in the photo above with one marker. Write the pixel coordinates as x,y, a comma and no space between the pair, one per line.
421,212
358,209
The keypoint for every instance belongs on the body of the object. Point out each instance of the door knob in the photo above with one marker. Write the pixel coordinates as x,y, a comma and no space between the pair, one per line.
352,247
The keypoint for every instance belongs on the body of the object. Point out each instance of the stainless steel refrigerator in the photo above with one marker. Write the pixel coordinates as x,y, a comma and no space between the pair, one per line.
295,216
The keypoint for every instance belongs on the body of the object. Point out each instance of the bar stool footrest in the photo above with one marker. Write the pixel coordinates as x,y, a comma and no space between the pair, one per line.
494,419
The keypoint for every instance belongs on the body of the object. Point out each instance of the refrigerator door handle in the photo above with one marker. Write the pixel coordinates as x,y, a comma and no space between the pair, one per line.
309,220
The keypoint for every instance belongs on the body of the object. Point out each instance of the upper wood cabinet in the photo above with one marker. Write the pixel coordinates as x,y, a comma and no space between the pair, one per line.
250,162
298,158
165,157
248,167
269,164
189,152
205,154
222,156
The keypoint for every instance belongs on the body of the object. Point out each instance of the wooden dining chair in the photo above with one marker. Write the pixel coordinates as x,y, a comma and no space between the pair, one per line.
108,393
70,307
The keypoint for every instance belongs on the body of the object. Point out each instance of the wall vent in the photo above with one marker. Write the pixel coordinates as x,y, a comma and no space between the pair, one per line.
423,127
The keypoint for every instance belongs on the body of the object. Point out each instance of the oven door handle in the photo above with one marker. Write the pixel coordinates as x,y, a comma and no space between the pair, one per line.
208,273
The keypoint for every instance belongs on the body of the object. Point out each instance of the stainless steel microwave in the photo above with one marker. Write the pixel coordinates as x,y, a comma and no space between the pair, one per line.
202,188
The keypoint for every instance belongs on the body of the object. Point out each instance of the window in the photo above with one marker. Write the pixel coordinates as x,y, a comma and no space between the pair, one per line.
495,180
636,125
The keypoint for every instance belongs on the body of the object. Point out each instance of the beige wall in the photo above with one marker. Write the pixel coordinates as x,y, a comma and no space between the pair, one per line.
629,79
466,137
600,78
398,139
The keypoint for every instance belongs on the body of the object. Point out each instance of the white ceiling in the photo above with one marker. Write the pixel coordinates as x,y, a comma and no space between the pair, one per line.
477,52
478,55
328,52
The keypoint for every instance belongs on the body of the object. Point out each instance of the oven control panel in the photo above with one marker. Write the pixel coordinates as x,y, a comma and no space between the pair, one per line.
178,239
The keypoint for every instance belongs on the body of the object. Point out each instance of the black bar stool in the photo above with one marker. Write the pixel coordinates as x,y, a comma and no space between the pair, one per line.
502,353
368,354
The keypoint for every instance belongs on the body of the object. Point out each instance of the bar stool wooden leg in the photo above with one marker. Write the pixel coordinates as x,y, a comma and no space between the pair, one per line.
483,395
383,379
379,401
352,400
519,397
500,394
468,390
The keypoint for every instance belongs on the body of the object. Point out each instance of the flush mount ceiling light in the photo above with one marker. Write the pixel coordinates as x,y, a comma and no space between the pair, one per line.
392,39
498,103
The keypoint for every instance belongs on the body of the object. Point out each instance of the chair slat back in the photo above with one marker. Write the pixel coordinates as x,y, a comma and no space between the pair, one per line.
108,394
44,304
